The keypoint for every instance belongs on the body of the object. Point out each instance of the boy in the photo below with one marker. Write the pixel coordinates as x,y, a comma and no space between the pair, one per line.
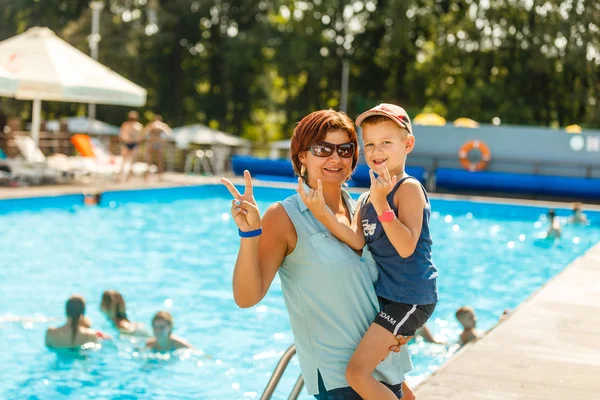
466,316
164,340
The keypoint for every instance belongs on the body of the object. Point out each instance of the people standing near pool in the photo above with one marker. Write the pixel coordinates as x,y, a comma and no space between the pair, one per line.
327,287
393,220
156,133
130,137
76,332
113,306
164,340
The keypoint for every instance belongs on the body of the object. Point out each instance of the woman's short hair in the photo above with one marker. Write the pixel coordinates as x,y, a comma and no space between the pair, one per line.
314,128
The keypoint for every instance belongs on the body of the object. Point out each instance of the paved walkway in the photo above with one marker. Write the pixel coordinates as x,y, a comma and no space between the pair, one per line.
549,348
169,180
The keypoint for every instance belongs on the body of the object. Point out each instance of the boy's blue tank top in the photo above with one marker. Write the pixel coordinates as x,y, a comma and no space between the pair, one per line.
410,280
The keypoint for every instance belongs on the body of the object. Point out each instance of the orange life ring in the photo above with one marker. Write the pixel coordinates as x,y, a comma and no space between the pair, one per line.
463,155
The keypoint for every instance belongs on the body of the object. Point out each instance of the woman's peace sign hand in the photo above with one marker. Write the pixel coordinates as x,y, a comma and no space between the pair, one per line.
243,207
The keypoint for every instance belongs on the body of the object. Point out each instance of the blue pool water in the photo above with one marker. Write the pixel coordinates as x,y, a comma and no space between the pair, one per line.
175,249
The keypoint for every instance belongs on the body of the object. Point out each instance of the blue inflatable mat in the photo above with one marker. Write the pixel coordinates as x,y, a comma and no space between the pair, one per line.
261,166
272,169
452,179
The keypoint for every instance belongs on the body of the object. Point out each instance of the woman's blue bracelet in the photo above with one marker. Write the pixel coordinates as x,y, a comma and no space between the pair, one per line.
250,234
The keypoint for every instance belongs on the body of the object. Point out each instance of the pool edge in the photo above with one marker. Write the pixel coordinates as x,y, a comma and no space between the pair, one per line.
499,364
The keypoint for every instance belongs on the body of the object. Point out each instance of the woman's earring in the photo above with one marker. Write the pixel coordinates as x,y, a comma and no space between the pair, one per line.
302,171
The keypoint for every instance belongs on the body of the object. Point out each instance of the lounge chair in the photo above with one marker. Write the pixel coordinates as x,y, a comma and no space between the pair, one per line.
104,161
33,168
33,155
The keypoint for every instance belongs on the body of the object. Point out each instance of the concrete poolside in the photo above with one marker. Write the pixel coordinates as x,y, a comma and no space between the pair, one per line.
100,185
546,349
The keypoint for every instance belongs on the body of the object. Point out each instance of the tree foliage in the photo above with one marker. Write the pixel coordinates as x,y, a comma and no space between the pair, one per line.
255,67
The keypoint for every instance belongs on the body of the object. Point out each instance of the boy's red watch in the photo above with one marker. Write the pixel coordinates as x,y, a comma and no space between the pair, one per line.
387,216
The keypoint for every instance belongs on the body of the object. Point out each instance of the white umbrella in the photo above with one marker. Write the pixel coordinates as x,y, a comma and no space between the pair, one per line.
8,83
84,125
200,134
48,68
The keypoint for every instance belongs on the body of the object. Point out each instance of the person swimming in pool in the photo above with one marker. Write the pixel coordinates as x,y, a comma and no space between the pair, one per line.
427,336
76,332
467,318
578,216
130,137
113,306
164,340
554,230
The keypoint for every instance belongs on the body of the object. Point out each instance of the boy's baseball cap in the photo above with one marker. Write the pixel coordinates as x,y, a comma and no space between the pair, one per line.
392,111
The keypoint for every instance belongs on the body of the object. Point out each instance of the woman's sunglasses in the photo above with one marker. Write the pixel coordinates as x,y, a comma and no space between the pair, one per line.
324,149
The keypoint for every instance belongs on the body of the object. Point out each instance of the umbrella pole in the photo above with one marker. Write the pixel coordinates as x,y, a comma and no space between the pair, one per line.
35,121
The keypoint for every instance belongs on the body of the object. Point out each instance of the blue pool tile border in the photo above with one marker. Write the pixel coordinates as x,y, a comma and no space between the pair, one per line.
62,202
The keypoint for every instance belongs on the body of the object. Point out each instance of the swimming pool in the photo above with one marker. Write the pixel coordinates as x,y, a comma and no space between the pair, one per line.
174,249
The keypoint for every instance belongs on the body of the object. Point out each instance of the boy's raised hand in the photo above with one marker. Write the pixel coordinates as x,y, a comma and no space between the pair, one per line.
243,207
381,186
314,199
402,340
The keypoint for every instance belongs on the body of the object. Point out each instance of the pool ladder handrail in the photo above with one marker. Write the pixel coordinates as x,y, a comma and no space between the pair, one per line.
198,161
278,373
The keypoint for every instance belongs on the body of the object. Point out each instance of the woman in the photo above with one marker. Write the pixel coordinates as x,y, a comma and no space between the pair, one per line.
76,331
327,287
164,340
113,306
